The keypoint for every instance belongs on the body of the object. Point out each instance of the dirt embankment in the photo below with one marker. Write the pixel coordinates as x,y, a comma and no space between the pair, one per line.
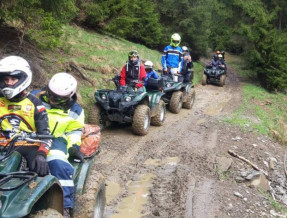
180,169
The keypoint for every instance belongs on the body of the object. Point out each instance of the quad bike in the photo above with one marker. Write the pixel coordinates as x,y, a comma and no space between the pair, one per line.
25,194
215,75
178,94
126,104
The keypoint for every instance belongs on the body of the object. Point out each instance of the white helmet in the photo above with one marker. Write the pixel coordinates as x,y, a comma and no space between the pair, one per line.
61,87
184,48
175,39
16,67
148,65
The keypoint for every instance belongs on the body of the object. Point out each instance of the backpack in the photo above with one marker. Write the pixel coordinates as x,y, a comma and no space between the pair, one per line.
90,139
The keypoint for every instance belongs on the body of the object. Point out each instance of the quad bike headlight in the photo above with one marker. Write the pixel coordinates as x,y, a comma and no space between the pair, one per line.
168,85
128,98
104,96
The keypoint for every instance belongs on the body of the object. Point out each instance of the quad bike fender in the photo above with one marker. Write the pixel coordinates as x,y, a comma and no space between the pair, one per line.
154,99
178,86
140,97
42,193
81,173
11,163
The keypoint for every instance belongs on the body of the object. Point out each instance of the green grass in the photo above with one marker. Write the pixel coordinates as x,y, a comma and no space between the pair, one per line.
261,110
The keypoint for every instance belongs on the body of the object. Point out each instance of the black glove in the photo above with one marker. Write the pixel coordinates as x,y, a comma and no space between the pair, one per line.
75,152
40,165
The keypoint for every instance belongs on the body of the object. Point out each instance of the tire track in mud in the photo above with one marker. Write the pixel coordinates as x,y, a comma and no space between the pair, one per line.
177,187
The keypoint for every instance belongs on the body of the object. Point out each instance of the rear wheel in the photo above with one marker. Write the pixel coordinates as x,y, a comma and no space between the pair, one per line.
141,120
92,202
222,80
159,118
190,100
175,104
204,80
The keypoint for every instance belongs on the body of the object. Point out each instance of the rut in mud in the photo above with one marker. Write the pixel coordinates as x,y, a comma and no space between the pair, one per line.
171,172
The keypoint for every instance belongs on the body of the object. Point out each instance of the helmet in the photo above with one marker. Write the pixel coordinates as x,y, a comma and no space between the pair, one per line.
220,56
16,67
215,57
61,88
133,53
148,65
175,40
218,52
184,48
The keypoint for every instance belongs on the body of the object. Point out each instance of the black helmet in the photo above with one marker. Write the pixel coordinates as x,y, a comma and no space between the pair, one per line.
215,57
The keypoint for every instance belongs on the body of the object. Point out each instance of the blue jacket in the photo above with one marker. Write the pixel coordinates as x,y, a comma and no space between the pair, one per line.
152,74
172,57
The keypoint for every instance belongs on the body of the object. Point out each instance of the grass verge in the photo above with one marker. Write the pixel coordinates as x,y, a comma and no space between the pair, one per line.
261,111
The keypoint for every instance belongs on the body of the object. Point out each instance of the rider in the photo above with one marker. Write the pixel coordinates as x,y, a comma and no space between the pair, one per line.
133,70
22,111
66,120
172,57
148,65
187,65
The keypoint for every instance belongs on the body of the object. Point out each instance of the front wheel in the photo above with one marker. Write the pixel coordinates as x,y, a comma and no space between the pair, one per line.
95,116
222,80
92,202
190,100
175,104
159,118
141,120
204,80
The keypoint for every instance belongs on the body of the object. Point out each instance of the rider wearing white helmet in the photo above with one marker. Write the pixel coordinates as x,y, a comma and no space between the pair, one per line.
150,73
172,58
66,120
22,111
187,65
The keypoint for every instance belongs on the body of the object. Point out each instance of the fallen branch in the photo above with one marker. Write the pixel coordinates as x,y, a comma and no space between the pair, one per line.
73,66
247,161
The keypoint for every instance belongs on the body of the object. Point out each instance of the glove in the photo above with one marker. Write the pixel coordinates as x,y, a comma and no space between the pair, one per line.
75,152
40,165
164,71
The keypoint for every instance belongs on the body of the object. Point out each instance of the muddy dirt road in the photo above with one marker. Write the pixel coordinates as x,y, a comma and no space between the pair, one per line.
171,172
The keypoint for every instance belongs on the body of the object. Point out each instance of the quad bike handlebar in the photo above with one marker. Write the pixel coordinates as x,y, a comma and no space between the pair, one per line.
25,137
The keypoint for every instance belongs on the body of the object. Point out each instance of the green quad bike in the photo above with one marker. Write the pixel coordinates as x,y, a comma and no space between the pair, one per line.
177,94
127,105
25,194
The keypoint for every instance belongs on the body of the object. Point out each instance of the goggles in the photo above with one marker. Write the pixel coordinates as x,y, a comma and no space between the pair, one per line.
56,99
175,41
133,54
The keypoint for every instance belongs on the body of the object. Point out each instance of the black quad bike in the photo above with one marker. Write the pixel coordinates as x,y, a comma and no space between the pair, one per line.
178,94
215,75
25,194
126,104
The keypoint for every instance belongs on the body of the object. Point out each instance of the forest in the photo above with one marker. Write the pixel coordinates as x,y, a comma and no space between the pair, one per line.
255,30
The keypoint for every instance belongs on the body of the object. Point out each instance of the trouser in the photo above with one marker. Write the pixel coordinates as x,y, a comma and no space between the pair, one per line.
63,171
173,72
